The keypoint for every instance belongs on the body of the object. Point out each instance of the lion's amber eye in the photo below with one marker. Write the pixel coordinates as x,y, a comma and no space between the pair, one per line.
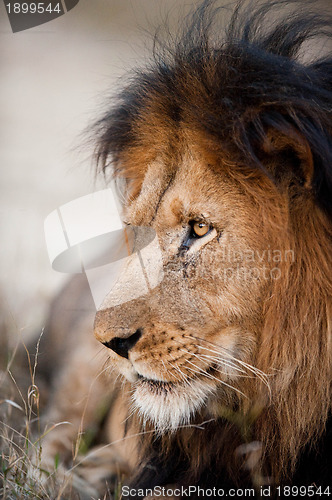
200,228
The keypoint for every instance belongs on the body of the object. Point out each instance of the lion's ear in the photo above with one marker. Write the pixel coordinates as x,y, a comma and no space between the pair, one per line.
292,143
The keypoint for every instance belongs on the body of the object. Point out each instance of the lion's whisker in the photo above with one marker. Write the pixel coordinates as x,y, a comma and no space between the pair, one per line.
256,371
197,426
232,362
220,360
208,375
259,373
101,350
187,380
105,369
176,368
228,353
196,356
128,417
168,371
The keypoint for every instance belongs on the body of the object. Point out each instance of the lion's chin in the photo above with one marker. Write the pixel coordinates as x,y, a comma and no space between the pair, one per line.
168,405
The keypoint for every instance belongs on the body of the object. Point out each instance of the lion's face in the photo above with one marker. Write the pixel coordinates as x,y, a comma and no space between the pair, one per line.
195,335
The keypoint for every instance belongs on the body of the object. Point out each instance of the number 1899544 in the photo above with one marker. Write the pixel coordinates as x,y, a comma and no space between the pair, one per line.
33,8
303,491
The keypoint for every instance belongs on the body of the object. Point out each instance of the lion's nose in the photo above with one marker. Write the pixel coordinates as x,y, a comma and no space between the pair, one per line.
122,345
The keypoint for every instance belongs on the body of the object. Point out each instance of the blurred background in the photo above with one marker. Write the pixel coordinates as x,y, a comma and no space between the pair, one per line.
55,80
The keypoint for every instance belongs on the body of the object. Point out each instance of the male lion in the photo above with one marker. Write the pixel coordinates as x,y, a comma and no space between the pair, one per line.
225,150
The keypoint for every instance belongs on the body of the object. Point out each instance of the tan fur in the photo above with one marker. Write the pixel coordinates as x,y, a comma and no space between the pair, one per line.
280,326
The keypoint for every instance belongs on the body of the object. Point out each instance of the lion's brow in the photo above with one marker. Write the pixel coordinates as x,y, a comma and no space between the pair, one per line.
168,185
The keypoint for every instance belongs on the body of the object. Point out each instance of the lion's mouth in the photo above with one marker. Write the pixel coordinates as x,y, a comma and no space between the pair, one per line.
158,386
155,385
170,404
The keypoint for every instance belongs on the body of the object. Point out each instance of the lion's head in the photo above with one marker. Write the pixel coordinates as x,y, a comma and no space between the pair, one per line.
225,150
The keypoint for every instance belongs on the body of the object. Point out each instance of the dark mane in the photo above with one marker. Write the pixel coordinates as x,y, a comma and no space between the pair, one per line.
234,88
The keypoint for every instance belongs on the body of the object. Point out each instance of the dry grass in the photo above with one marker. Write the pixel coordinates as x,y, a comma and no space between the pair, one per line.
23,397
21,402
20,432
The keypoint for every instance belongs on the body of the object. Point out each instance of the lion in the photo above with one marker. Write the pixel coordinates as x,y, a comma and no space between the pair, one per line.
224,149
